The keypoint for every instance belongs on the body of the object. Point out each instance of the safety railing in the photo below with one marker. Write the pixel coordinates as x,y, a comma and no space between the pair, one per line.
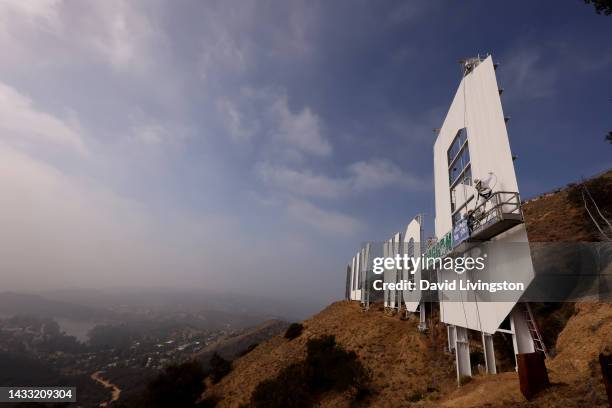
496,214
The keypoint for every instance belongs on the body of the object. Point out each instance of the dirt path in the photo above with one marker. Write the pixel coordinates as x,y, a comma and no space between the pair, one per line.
116,391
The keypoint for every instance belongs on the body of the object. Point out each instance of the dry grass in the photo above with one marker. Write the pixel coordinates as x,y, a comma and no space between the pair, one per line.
574,371
561,217
410,369
403,362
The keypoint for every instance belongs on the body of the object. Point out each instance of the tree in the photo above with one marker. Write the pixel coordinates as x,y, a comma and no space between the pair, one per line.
51,328
219,368
103,337
179,385
601,6
294,330
328,366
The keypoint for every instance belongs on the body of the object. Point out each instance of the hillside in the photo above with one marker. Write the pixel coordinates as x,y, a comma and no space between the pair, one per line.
402,361
561,215
409,368
574,372
230,347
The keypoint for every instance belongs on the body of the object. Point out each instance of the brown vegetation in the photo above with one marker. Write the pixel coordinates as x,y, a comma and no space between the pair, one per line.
409,368
403,363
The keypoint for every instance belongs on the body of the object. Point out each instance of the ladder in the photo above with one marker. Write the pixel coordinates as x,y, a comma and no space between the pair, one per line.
538,343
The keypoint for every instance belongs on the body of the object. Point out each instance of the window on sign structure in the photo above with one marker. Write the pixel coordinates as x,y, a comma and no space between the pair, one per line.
459,174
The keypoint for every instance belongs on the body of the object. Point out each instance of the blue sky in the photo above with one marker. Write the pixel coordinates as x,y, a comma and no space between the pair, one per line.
252,146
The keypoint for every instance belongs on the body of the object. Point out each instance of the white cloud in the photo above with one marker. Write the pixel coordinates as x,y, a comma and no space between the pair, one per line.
323,220
301,130
233,121
295,40
301,182
21,123
150,131
125,36
288,136
51,32
222,52
33,11
381,173
65,231
527,76
362,176
230,34
151,134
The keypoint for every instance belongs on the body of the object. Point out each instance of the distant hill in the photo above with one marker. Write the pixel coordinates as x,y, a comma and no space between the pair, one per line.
411,369
168,300
232,346
20,303
22,370
133,382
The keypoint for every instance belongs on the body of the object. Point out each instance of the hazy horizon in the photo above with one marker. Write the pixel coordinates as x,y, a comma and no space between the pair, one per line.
169,300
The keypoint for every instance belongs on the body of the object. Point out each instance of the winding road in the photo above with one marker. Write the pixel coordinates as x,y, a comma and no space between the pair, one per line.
116,391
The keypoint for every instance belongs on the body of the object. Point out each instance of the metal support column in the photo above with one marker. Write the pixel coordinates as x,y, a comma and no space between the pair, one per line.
450,331
422,317
521,337
489,353
462,354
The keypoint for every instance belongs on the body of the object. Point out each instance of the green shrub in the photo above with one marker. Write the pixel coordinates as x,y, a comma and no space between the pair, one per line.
415,397
179,385
288,389
330,366
219,368
327,367
476,357
551,319
464,379
248,349
294,330
362,391
209,402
